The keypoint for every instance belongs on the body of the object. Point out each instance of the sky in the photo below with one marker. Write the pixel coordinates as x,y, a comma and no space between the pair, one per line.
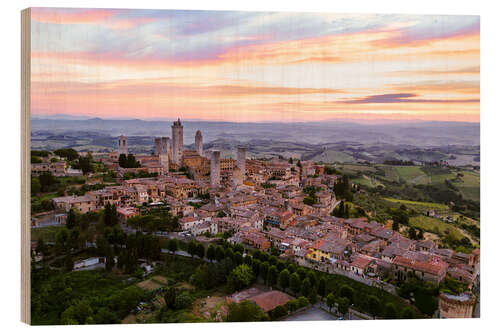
254,66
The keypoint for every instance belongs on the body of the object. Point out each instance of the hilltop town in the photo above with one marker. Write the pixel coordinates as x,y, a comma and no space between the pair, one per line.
290,213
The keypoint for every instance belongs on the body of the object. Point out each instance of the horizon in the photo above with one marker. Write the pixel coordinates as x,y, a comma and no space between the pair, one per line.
246,67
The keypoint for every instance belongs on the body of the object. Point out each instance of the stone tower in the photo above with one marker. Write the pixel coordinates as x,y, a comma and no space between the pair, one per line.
158,146
198,143
122,145
164,161
241,161
237,177
166,148
215,169
177,142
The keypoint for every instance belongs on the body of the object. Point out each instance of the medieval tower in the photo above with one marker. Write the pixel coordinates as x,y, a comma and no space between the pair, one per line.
241,158
215,168
166,148
158,147
177,142
122,145
198,143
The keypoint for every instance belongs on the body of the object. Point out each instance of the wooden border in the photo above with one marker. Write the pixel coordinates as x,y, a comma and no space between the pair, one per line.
25,165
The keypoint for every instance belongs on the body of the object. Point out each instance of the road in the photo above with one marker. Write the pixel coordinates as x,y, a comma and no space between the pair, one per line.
313,313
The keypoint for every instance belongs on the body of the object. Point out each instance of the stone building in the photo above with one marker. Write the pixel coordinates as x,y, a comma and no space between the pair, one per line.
158,146
241,160
166,148
198,143
237,177
456,306
177,142
122,145
215,168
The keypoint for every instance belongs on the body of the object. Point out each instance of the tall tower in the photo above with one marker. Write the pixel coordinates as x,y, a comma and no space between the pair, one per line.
166,148
198,143
241,160
164,161
177,142
237,177
158,146
215,168
122,145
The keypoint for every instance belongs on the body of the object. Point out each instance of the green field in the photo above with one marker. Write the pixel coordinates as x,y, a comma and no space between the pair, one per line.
420,206
470,185
353,169
391,174
367,181
412,174
48,233
436,226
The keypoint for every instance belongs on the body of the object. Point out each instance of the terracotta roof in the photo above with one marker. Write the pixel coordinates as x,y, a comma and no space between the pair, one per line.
435,267
362,261
269,300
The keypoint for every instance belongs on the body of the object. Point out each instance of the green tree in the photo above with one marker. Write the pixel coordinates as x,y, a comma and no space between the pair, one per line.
211,252
237,258
313,296
330,301
295,283
219,253
245,311
390,311
41,247
110,260
191,248
374,305
278,312
303,301
68,263
408,313
343,305
200,250
71,220
346,291
284,279
272,275
322,287
183,301
306,287
312,277
240,277
36,187
264,268
395,226
170,297
172,245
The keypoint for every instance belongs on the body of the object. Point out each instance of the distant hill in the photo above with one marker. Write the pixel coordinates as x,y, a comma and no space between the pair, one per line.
328,142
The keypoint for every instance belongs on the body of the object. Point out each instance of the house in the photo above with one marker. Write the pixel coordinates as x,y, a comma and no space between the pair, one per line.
124,213
433,270
360,264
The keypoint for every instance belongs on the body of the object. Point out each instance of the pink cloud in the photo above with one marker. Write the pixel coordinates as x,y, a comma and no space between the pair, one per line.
104,17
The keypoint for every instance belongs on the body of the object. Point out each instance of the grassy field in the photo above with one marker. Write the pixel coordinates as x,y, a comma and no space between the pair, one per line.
436,226
367,181
391,174
48,233
420,206
412,174
353,169
470,185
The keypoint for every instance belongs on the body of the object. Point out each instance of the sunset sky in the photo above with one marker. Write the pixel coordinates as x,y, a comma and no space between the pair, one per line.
254,66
